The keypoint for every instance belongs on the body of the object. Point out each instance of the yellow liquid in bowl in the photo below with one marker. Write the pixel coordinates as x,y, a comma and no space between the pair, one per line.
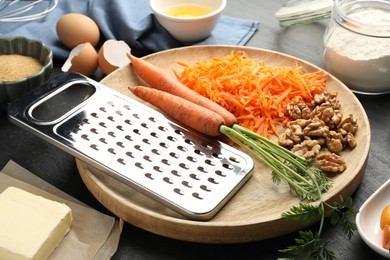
188,11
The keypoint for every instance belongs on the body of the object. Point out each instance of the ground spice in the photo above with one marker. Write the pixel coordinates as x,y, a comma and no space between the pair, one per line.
14,67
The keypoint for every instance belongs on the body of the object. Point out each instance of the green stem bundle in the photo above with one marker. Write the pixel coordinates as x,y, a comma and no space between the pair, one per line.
305,180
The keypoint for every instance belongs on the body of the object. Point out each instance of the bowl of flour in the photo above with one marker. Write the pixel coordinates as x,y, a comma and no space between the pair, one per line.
357,45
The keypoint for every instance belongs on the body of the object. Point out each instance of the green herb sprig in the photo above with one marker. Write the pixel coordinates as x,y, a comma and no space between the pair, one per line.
308,244
308,183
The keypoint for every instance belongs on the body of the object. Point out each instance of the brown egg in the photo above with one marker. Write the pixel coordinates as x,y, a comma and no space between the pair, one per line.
82,59
113,55
74,29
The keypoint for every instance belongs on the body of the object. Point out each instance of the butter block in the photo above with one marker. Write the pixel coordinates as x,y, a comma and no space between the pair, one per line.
31,226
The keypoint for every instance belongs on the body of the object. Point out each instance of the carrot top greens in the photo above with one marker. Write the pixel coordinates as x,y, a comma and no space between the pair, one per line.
256,93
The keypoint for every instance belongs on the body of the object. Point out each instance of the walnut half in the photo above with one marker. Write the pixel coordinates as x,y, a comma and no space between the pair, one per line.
308,149
331,163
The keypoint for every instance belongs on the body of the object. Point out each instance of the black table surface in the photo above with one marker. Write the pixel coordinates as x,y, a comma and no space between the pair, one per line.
305,42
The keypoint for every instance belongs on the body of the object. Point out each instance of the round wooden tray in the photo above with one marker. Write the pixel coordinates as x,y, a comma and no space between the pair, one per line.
254,213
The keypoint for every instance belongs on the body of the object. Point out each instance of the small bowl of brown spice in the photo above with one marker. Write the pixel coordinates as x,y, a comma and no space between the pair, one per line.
24,64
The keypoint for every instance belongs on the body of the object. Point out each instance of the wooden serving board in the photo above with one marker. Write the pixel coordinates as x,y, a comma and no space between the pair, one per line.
254,213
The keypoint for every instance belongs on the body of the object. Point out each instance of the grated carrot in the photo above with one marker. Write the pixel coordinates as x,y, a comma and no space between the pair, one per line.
257,94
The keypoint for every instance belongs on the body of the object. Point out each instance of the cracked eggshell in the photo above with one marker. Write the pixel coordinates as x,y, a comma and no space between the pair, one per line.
73,29
82,59
113,55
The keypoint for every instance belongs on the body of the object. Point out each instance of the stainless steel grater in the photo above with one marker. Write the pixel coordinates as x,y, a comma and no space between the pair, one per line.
186,171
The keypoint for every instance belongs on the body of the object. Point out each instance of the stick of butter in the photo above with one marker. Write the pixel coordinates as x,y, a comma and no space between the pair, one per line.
31,226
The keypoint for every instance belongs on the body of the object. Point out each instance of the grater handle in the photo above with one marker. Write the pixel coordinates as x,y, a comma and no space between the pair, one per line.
52,101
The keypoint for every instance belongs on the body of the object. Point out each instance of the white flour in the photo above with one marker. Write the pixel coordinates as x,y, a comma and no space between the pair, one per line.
361,62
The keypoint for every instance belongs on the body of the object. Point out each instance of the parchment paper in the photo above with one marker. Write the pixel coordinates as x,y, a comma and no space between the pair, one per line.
93,235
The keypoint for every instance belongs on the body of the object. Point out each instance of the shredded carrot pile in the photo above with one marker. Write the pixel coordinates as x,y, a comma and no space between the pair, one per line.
257,94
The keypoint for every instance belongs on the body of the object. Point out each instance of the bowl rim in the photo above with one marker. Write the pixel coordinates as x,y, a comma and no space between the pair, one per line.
48,64
373,198
187,19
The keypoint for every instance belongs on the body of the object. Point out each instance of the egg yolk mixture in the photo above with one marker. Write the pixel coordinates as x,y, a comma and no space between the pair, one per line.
188,11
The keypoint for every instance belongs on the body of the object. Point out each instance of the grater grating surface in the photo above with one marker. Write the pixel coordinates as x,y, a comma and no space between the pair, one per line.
192,174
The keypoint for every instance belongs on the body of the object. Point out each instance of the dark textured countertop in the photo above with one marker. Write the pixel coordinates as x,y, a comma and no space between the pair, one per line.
305,42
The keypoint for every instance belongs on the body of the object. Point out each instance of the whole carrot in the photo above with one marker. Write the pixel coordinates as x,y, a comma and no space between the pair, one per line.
184,111
156,78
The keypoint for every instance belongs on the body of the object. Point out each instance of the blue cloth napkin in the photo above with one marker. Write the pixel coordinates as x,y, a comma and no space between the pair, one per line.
129,20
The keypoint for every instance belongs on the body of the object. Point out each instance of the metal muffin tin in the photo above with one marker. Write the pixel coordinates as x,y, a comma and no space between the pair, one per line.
190,173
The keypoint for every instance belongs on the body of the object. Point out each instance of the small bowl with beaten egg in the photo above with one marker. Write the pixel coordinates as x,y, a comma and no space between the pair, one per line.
188,20
24,64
